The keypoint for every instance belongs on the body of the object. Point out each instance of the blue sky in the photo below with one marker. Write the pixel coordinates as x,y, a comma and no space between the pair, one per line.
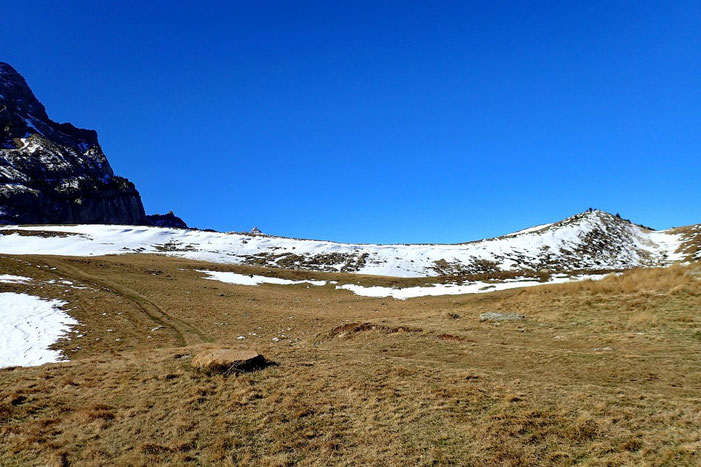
379,121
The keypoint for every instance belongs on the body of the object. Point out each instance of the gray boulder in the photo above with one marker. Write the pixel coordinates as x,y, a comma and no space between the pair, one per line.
494,316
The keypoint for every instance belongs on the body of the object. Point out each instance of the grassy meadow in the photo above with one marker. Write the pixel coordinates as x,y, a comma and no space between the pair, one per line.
598,373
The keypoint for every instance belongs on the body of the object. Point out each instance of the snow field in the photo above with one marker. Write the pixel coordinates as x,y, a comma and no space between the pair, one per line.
524,249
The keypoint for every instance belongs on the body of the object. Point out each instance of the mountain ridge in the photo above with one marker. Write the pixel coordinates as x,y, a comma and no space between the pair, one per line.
589,241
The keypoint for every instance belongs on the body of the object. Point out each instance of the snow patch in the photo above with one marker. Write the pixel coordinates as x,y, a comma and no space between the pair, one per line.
29,325
535,228
456,289
250,279
10,279
668,243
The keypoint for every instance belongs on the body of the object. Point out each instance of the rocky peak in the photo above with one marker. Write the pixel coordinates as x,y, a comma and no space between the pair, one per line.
54,172
21,115
597,219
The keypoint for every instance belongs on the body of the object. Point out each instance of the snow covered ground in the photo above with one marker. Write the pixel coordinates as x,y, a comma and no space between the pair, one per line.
251,279
591,240
458,289
400,293
28,326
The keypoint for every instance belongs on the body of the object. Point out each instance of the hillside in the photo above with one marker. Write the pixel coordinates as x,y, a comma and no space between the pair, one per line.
590,241
593,372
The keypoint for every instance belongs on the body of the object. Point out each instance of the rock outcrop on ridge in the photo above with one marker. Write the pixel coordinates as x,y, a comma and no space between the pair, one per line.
166,220
54,172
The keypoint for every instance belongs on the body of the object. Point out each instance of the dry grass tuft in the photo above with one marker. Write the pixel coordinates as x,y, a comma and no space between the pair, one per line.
350,329
95,412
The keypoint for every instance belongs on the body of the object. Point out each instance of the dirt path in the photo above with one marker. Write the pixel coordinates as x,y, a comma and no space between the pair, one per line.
186,333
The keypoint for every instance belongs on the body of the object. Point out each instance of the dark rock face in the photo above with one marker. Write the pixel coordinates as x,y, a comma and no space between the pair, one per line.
54,172
166,220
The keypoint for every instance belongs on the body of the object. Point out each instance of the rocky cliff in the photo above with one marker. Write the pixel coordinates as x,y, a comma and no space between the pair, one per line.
54,172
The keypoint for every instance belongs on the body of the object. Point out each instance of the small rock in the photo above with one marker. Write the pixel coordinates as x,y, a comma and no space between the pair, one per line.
494,316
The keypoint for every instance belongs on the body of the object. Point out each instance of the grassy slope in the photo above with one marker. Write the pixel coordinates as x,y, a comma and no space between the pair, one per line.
599,373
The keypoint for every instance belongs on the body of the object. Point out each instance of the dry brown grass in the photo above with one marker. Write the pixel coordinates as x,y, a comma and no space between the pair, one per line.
653,281
599,373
